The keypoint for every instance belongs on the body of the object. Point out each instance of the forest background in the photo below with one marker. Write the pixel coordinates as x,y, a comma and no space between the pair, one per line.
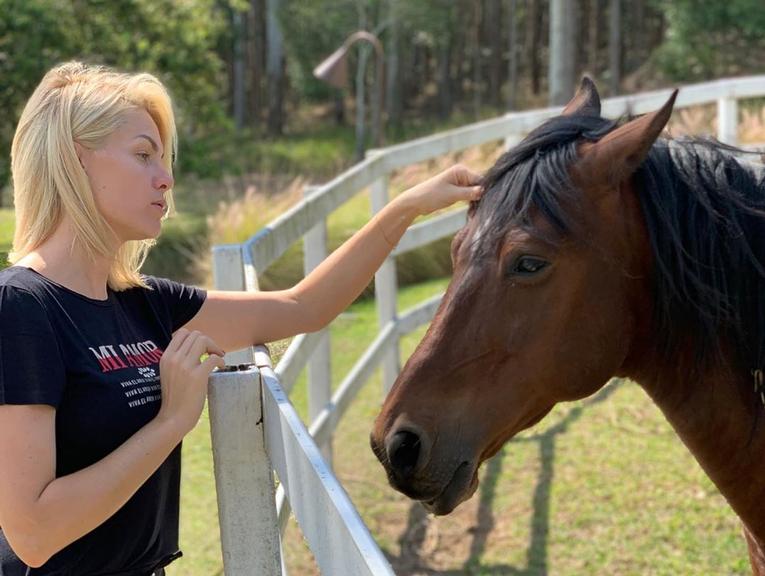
252,118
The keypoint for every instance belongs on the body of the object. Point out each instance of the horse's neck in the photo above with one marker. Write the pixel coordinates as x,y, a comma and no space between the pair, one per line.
716,417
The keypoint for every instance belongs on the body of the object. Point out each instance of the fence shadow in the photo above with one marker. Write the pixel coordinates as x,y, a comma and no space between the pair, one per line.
411,560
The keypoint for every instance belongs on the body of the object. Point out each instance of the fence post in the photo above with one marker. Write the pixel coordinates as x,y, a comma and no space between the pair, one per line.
727,120
385,292
228,274
319,365
244,478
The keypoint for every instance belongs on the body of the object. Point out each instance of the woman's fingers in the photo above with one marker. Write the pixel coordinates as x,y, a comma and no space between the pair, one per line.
185,348
203,345
177,340
188,347
211,362
467,193
464,176
213,348
457,183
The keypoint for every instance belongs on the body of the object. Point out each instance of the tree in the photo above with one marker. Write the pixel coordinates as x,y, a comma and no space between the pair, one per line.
533,44
393,104
512,50
708,39
239,88
275,68
174,40
615,45
563,50
32,36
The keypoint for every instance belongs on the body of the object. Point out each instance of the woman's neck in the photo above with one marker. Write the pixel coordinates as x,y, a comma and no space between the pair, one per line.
63,259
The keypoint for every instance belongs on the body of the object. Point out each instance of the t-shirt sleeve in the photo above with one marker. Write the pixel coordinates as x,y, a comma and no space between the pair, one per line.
179,301
32,369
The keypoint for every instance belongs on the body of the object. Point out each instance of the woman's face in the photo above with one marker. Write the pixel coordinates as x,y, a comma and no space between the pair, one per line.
129,179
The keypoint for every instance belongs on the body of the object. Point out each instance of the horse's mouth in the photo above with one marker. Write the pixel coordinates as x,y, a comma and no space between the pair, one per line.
461,487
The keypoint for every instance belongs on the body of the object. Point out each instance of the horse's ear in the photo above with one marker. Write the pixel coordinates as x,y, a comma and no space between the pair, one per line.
618,154
586,101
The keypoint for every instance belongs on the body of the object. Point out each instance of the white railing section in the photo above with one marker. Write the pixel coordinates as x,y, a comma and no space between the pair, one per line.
235,267
256,432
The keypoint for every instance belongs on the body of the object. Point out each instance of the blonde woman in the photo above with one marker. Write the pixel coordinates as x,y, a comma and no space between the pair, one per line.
100,372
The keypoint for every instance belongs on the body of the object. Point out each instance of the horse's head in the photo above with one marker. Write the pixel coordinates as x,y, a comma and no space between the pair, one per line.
547,302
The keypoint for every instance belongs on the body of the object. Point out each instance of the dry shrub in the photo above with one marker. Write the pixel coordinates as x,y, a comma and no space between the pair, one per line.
752,126
693,121
237,220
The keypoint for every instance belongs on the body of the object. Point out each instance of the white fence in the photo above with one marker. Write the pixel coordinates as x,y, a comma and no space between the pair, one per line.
255,429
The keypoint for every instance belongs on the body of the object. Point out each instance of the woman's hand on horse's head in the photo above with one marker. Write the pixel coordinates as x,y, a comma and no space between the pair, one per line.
455,184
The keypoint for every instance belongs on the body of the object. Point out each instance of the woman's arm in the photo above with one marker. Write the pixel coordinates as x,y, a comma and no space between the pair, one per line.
239,319
41,514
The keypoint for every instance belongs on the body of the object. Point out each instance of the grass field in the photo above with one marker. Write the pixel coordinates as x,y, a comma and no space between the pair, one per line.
600,487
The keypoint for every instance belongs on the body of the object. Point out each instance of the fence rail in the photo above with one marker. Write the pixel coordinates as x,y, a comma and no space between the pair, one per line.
256,432
307,483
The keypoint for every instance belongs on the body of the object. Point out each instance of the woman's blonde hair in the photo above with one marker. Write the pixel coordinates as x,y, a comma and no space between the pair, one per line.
80,103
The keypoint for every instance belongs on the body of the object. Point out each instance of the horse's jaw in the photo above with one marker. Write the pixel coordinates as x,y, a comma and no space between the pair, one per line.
461,487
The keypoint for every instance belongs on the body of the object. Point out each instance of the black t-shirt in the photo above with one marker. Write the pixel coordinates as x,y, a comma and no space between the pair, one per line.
97,363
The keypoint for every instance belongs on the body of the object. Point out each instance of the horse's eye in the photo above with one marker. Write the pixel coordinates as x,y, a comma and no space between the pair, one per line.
528,265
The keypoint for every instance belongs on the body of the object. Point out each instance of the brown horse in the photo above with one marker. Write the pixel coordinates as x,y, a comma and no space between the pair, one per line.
597,250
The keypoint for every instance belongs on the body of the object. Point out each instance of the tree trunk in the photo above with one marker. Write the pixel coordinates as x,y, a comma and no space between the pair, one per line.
593,39
275,67
361,110
615,45
476,53
494,25
533,44
339,107
238,96
255,50
393,101
444,80
563,51
461,43
637,36
512,69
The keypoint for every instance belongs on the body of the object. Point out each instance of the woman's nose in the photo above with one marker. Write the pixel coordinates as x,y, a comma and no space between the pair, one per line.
164,180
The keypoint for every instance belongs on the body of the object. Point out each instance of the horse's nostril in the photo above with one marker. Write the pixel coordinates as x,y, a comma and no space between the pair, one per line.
404,451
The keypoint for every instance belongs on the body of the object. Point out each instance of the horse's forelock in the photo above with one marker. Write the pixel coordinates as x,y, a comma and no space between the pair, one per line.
534,178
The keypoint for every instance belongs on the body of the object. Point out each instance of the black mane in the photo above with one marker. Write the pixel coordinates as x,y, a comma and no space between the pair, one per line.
705,215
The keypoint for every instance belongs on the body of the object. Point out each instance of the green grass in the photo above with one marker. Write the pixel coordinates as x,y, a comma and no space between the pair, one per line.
601,486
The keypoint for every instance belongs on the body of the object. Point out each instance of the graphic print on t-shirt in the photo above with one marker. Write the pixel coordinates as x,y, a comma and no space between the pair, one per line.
144,357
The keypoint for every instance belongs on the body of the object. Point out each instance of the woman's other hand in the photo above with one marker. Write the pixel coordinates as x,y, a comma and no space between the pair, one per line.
452,185
184,377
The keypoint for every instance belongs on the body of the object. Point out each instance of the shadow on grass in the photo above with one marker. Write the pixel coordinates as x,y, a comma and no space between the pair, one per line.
413,537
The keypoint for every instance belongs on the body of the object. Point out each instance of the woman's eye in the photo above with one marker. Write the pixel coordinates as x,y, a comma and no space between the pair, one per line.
528,265
144,156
